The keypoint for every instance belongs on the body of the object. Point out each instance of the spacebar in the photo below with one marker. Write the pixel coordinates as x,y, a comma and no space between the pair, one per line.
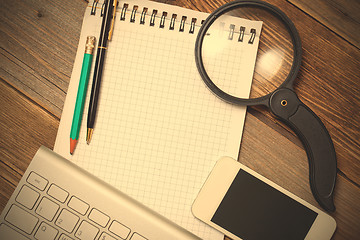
9,233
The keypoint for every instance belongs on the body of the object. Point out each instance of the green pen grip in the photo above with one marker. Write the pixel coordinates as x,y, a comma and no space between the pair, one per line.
81,95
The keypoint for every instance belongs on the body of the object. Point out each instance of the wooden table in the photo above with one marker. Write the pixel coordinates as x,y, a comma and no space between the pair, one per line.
38,43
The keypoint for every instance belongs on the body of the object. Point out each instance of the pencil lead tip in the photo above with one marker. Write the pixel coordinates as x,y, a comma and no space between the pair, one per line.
73,143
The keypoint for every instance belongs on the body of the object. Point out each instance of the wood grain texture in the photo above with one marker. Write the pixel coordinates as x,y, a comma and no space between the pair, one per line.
341,16
24,127
38,43
328,83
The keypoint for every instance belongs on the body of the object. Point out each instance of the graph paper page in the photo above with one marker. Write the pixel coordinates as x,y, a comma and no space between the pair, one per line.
159,130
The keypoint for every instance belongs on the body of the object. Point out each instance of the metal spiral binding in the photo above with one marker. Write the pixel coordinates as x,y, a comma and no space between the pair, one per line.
192,26
153,16
93,8
102,9
123,12
231,32
252,37
162,20
242,33
173,18
182,23
172,22
143,14
152,19
132,18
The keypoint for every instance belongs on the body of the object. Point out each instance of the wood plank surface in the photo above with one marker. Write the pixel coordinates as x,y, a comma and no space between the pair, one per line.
38,42
328,83
24,127
341,16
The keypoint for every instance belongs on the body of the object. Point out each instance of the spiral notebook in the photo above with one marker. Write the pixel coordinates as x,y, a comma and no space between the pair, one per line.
159,130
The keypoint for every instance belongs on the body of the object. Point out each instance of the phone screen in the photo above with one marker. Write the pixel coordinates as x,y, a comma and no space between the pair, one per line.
252,209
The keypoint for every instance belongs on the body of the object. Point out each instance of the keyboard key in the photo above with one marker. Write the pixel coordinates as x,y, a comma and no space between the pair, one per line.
78,205
86,231
99,217
136,236
46,232
27,197
64,237
58,193
119,229
7,232
21,219
37,181
67,220
47,209
105,236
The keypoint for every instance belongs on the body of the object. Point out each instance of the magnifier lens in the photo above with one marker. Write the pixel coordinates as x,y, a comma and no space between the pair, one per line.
228,49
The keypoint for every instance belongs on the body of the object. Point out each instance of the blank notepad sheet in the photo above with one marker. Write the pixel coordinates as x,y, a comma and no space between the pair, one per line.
159,130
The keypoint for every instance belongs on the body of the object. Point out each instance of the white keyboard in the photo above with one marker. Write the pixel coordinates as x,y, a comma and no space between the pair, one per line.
56,199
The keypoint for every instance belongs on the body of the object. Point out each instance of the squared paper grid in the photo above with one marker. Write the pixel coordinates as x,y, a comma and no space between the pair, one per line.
159,130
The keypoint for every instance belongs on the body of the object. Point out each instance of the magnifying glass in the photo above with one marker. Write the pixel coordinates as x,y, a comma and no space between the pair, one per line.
221,59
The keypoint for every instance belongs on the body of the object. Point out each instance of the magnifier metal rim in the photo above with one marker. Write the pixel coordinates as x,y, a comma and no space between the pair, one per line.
288,82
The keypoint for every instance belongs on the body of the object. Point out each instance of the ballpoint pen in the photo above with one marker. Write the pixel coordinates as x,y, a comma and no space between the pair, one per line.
81,94
107,28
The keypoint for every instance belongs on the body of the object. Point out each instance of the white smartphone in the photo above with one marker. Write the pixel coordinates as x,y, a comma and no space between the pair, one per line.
242,204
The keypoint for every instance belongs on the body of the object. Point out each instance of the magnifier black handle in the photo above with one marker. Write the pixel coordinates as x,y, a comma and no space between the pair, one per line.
317,142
